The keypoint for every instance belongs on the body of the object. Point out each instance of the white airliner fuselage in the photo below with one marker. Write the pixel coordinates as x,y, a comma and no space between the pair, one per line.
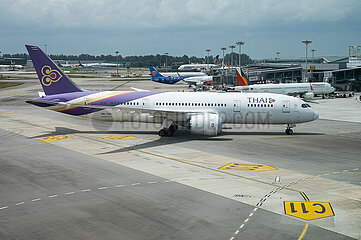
306,89
201,113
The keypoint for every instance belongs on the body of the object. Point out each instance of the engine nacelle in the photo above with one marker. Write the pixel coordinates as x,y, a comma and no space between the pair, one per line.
308,95
209,124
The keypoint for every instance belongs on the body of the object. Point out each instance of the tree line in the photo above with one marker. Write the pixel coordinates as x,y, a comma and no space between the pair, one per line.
143,61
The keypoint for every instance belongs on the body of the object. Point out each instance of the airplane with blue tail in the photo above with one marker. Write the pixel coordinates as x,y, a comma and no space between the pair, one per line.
188,78
201,113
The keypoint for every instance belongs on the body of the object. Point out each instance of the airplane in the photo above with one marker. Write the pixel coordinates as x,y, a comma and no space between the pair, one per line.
196,80
305,90
196,66
201,113
97,64
12,66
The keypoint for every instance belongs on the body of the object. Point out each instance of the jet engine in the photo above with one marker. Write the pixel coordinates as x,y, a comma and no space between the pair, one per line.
209,124
308,95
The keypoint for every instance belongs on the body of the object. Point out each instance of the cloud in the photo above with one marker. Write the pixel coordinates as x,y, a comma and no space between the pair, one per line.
126,14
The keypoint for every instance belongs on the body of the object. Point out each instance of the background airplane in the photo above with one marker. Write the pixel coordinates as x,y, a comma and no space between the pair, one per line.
306,90
196,66
201,113
190,80
12,66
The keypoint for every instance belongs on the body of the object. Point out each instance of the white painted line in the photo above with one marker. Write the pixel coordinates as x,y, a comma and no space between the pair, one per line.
345,171
241,226
68,193
355,169
326,174
36,199
251,215
86,190
231,238
255,209
246,220
20,203
119,186
134,184
236,232
52,196
5,207
168,181
152,182
101,188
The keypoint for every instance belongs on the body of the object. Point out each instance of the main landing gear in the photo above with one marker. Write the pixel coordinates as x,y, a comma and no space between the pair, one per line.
289,130
168,132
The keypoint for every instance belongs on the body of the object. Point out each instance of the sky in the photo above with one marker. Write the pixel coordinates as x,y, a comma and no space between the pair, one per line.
181,27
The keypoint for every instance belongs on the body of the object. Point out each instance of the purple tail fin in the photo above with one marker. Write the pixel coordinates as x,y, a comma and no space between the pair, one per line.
52,79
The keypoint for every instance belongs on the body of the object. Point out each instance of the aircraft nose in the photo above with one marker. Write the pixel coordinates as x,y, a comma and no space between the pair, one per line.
315,115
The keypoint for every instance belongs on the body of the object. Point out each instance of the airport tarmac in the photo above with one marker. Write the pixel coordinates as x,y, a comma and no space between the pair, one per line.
65,177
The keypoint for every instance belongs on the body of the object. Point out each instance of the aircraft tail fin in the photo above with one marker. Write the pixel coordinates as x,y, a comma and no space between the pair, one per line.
52,78
80,64
154,73
241,77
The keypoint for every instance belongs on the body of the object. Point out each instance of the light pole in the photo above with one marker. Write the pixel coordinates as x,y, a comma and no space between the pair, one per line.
306,42
117,52
240,43
313,53
166,63
278,55
208,50
223,49
232,47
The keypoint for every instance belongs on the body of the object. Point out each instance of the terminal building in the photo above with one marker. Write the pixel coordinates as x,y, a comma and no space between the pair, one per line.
342,72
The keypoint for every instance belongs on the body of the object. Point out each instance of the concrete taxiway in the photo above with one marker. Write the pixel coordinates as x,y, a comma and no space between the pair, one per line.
68,177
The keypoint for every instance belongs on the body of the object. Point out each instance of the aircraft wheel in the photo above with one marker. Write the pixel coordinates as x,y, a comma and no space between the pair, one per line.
170,133
162,132
289,131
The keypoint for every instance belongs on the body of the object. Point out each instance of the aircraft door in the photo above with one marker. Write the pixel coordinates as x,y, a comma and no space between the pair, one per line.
236,105
286,106
145,103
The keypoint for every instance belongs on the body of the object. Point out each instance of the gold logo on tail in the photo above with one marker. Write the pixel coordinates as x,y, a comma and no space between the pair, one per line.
49,75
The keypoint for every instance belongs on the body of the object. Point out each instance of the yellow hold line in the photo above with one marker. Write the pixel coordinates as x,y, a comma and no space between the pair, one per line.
303,232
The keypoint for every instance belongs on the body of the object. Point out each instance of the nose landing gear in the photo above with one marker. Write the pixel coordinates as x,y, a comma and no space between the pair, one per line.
289,130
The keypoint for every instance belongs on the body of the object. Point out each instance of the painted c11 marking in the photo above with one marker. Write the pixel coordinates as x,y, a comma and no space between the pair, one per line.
308,210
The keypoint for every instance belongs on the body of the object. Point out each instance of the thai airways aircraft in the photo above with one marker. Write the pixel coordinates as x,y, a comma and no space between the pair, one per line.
306,90
157,77
201,113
